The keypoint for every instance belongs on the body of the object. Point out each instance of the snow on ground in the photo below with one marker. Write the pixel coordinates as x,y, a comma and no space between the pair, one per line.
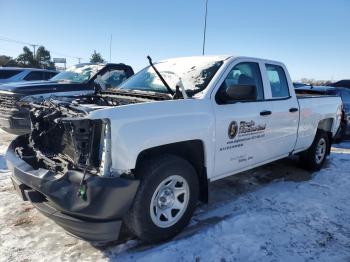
273,213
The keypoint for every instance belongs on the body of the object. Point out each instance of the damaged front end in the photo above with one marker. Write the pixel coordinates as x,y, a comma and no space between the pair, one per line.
62,140
63,165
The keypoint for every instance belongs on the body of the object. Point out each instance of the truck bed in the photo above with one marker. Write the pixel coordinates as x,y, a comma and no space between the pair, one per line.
314,108
303,96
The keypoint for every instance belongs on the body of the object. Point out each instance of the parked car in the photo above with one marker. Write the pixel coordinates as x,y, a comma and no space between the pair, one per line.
18,74
342,83
144,153
77,80
343,93
297,84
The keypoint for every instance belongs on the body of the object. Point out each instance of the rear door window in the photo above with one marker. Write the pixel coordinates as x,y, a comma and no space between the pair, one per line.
278,81
114,77
48,75
5,74
35,75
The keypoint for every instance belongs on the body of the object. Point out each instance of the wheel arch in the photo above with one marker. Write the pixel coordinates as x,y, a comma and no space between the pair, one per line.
191,150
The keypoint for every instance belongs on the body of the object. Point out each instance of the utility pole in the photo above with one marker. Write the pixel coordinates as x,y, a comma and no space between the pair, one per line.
205,25
34,48
110,49
79,58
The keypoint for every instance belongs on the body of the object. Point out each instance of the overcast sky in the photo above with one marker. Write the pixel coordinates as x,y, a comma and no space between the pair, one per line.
311,37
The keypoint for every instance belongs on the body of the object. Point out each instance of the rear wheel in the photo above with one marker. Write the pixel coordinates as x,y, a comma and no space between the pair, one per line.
314,158
341,133
165,200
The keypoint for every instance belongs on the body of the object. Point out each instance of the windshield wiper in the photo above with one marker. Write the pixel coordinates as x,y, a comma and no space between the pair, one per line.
160,76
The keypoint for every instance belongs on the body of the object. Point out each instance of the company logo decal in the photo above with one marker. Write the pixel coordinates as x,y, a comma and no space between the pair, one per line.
250,127
244,132
244,128
232,130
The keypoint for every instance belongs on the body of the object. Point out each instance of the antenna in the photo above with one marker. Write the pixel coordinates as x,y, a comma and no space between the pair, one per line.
110,49
205,25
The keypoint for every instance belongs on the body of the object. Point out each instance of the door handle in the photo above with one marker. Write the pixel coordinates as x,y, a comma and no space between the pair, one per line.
265,113
293,109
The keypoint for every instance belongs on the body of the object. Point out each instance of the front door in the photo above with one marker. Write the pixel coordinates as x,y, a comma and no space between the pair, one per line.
242,126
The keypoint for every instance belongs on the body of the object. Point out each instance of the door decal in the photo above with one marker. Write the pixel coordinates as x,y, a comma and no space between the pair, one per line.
245,132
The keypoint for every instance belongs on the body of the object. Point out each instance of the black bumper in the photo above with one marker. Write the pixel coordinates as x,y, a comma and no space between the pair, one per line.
94,218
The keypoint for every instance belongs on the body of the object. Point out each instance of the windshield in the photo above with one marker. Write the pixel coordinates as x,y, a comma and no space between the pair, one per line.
78,73
195,74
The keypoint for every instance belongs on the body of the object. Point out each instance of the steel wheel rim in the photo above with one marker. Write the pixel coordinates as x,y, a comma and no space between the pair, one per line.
169,201
320,150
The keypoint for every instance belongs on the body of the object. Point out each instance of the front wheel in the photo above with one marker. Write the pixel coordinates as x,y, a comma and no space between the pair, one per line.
314,158
340,135
165,200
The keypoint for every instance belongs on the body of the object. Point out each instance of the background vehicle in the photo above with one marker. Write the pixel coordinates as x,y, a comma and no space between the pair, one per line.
18,74
297,84
342,83
77,80
144,153
343,93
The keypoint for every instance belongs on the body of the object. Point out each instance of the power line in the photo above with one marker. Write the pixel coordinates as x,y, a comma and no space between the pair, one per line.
14,41
9,49
3,38
18,42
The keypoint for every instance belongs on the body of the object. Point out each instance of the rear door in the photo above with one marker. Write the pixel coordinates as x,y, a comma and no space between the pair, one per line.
285,110
242,127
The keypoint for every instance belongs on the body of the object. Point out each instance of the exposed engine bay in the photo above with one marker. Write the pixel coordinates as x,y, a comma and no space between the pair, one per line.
63,139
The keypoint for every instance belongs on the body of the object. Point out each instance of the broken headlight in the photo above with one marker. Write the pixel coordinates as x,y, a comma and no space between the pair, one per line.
105,149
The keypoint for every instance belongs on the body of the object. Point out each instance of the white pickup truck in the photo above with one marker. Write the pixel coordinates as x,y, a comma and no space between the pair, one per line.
142,155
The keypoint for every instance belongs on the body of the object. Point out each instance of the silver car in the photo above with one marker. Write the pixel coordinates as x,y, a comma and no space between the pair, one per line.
17,74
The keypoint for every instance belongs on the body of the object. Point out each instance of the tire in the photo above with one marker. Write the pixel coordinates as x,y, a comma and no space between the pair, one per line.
314,158
339,137
149,217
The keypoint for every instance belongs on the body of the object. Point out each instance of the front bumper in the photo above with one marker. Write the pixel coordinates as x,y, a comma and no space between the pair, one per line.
15,122
95,218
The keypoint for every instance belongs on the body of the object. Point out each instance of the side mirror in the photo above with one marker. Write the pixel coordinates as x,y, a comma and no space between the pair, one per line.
240,92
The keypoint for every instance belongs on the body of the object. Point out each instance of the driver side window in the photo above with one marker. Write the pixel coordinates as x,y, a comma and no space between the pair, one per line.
245,74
